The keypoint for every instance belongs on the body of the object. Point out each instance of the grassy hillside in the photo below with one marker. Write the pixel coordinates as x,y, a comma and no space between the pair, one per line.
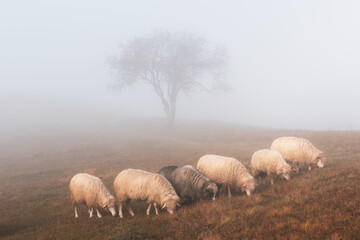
35,171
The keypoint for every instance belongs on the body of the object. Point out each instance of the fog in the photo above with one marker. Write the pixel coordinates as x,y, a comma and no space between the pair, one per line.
293,64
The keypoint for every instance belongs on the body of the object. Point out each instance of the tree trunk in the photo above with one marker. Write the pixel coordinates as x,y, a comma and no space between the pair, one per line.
171,119
172,112
169,106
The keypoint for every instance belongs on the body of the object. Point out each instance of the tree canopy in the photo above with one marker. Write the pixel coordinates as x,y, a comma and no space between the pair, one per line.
171,63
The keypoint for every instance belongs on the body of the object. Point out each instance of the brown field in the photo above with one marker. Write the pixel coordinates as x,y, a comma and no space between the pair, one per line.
35,170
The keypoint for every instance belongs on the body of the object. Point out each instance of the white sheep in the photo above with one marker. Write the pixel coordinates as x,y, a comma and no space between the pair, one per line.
269,162
299,150
135,184
227,171
91,191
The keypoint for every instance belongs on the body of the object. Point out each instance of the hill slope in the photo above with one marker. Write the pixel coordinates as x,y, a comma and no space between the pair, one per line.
35,171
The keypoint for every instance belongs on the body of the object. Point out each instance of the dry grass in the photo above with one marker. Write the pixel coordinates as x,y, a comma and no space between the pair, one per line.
35,172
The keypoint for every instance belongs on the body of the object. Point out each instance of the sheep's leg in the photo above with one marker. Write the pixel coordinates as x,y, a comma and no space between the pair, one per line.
309,168
229,192
91,210
129,208
156,210
148,210
272,181
98,213
76,213
120,210
131,211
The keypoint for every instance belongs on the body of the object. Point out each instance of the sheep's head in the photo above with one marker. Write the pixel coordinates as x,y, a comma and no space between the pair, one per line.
110,204
171,204
321,160
249,186
211,189
285,172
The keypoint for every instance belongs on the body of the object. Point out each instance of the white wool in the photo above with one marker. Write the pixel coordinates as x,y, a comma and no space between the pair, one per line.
298,150
227,171
91,191
270,162
135,184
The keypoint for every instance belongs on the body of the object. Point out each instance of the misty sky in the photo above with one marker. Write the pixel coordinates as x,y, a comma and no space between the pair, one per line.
294,64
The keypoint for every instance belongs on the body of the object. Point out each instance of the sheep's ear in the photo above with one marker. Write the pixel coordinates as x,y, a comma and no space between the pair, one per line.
177,204
104,206
164,206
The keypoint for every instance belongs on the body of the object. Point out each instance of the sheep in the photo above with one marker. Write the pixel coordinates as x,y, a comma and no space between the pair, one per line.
91,191
299,150
189,183
227,171
269,162
136,184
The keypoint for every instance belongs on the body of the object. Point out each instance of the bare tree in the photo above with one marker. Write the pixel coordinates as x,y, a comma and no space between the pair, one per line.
171,63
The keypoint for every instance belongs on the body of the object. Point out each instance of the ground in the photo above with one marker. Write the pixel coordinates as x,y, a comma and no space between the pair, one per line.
35,170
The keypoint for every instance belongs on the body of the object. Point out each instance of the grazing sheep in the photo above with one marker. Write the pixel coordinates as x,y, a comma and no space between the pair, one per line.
299,150
227,171
91,191
135,184
189,183
269,162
